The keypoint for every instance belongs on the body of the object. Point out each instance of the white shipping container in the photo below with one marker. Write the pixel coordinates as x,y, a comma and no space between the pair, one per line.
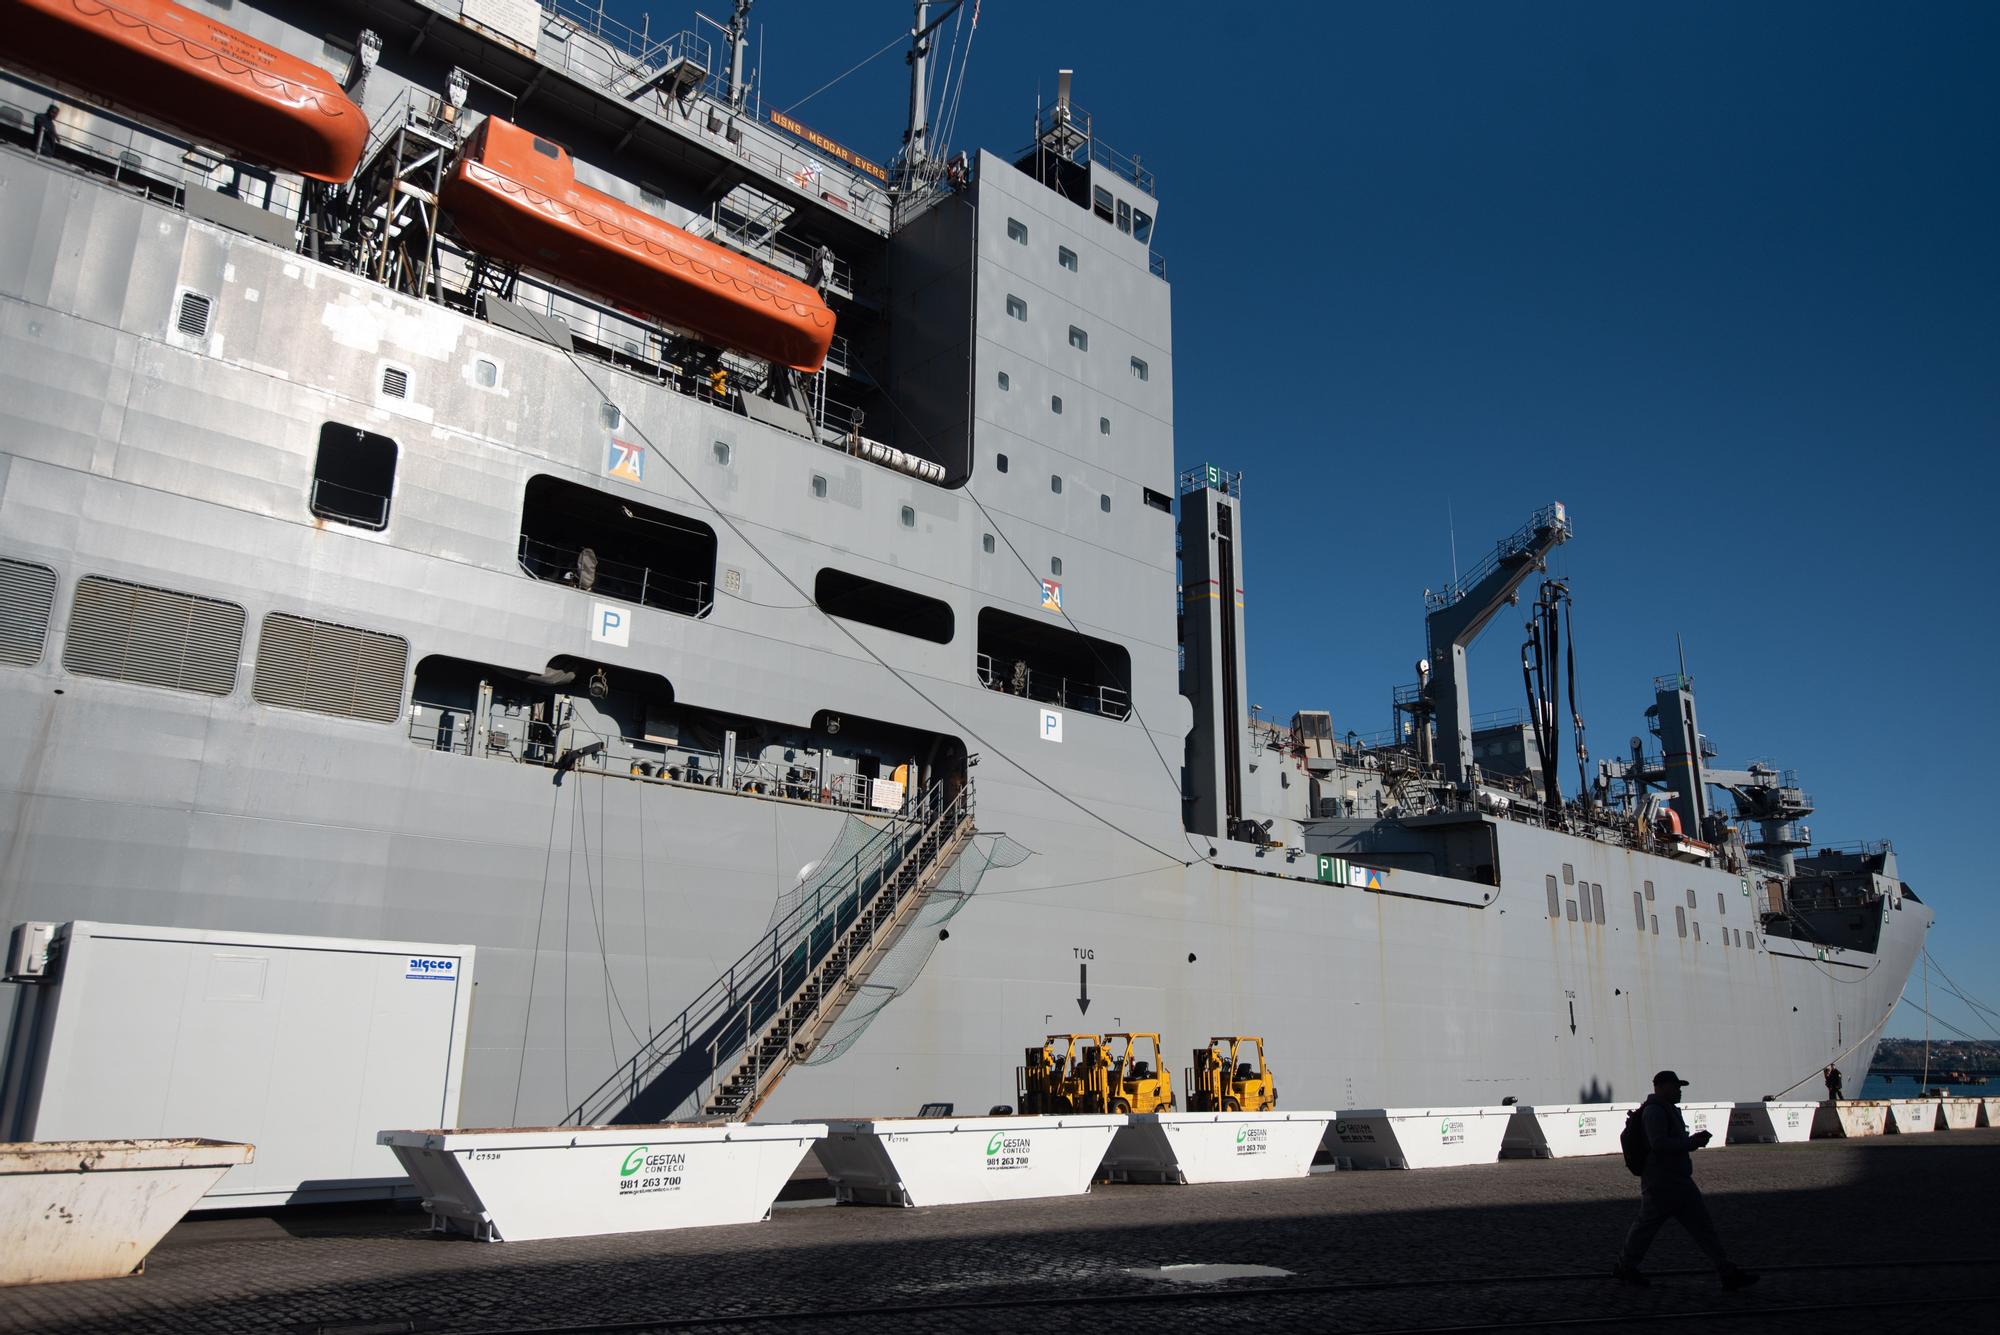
304,1046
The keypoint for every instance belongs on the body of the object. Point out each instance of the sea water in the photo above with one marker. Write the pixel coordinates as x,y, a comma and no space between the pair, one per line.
1909,1087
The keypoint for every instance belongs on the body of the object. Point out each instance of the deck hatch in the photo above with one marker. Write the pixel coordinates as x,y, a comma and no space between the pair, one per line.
154,637
326,668
27,592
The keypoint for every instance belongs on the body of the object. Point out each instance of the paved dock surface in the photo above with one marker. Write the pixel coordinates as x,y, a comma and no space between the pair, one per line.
1873,1234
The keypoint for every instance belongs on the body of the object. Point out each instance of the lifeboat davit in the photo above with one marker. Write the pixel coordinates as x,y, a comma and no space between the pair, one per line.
171,64
514,196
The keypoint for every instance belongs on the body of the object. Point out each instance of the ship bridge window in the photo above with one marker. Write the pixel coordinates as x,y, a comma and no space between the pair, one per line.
604,545
1045,660
329,669
354,476
1159,500
155,637
27,592
873,603
1142,225
1124,216
1101,204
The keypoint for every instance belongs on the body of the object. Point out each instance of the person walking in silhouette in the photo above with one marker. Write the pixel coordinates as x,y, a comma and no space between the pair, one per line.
1667,1189
1833,1083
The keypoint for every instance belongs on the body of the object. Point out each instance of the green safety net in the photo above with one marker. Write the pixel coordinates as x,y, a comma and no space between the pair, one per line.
907,958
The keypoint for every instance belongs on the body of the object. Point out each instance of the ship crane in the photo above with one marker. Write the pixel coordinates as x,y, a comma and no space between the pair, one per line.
1459,612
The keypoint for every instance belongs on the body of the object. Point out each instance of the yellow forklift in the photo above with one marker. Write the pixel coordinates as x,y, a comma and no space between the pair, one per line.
1060,1081
1088,1073
1223,1079
1136,1085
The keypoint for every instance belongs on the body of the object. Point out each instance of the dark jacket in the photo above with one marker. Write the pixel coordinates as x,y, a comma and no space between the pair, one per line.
1667,1147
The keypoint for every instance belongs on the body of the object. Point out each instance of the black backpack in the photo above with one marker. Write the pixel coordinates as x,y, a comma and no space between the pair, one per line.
1632,1140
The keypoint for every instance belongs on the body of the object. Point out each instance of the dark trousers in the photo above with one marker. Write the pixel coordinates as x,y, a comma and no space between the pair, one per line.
1659,1202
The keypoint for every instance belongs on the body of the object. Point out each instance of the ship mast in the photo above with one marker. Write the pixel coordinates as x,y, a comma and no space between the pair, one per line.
739,42
915,152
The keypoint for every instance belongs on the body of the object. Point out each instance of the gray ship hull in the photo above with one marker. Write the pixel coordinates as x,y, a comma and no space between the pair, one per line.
136,451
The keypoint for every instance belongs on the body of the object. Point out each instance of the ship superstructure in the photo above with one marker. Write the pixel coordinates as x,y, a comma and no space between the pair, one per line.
622,530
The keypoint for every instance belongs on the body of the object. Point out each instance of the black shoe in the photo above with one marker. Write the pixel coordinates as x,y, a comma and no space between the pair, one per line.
1625,1274
1733,1279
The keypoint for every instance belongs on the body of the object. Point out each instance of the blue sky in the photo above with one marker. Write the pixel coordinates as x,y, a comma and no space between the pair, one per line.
1721,277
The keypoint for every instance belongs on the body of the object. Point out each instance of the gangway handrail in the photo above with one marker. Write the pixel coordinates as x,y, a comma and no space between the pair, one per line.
722,996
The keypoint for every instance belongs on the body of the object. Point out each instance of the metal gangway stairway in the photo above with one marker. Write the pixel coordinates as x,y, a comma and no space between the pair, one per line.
772,1008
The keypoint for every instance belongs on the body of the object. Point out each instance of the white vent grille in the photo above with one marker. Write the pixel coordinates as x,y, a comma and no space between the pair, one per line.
193,317
26,593
330,669
395,382
156,637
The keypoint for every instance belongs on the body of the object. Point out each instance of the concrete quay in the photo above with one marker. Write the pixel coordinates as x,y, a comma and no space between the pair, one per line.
1883,1232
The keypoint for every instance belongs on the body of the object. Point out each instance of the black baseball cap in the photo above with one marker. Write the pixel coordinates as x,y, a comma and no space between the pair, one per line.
1668,1078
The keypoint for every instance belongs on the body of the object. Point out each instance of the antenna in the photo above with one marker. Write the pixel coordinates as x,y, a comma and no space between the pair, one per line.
1682,650
1451,527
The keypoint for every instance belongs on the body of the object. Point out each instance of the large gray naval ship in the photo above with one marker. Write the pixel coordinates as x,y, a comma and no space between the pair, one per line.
470,474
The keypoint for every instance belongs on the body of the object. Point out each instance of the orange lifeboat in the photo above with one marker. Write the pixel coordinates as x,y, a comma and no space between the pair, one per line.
514,196
221,86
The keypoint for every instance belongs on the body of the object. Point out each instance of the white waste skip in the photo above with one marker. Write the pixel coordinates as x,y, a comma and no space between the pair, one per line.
1416,1137
523,1183
1849,1119
1563,1130
1989,1112
93,1209
1710,1117
1959,1114
1770,1123
956,1160
1195,1147
1909,1117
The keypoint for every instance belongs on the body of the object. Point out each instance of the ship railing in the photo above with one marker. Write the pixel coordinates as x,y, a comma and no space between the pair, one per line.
1070,118
349,505
622,60
615,579
1551,516
1863,847
773,247
642,758
438,727
835,895
1054,689
134,156
1225,480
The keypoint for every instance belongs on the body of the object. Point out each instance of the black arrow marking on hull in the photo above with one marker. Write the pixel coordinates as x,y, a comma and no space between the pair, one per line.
1083,989
1572,1017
